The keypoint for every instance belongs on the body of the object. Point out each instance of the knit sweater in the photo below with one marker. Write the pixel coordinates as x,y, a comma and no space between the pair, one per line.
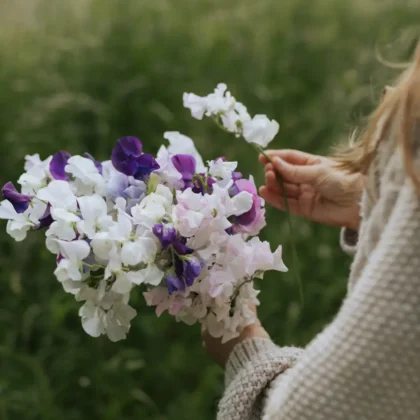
365,365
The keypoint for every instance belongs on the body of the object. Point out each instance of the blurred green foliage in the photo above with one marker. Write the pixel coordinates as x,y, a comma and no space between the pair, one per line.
78,75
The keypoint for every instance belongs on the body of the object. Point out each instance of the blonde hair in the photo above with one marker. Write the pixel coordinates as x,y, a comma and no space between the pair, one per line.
396,114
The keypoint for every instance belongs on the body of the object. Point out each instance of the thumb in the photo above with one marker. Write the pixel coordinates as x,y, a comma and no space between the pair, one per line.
297,174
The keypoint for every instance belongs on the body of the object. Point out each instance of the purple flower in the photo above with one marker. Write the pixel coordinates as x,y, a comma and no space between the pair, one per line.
168,236
127,157
236,176
253,220
198,187
174,283
97,163
192,268
46,219
146,164
58,164
19,201
185,165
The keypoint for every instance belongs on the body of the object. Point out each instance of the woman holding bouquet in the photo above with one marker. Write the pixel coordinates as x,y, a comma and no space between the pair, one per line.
366,364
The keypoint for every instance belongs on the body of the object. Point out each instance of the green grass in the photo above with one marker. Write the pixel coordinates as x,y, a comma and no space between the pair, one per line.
81,75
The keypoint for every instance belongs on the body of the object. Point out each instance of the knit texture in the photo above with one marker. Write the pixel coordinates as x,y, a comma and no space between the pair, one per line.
366,364
348,240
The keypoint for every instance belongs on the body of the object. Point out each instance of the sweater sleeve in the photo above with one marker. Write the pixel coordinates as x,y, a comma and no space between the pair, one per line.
250,368
348,240
365,364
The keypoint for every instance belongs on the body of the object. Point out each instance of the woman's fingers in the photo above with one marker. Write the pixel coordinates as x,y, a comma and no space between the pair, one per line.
291,190
297,174
295,157
277,200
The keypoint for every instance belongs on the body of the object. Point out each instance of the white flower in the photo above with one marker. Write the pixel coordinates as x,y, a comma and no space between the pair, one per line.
141,250
117,321
220,102
197,105
234,119
92,319
242,203
150,275
122,284
102,244
153,207
20,223
110,316
18,229
95,217
31,161
67,270
59,195
75,251
85,171
180,144
167,171
64,225
37,174
223,170
61,230
260,130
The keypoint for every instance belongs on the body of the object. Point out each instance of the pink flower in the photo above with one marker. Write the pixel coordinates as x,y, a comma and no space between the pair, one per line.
253,220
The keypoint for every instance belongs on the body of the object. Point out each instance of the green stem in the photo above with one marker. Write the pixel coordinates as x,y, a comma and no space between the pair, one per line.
295,257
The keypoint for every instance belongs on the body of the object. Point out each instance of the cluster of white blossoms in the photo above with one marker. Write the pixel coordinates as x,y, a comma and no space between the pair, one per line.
182,230
232,115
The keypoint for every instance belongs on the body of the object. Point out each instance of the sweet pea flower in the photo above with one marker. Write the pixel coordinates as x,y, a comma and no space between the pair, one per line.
168,237
181,144
127,157
222,170
153,207
58,164
36,176
88,180
174,283
167,171
94,215
216,103
59,195
253,220
19,201
260,130
185,165
97,164
192,267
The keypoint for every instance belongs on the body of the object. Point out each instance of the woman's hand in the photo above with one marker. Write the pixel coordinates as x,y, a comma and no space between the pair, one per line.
314,187
220,352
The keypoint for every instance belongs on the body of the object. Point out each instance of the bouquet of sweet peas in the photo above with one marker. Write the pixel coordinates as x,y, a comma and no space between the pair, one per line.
183,230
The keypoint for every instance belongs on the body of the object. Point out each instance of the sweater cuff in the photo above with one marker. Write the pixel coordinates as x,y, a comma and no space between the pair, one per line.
248,352
252,365
348,240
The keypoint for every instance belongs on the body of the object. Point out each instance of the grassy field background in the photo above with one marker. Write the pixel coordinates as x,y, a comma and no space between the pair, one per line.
78,75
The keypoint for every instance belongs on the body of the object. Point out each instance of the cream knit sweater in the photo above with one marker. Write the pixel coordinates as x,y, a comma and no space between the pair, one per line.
366,364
